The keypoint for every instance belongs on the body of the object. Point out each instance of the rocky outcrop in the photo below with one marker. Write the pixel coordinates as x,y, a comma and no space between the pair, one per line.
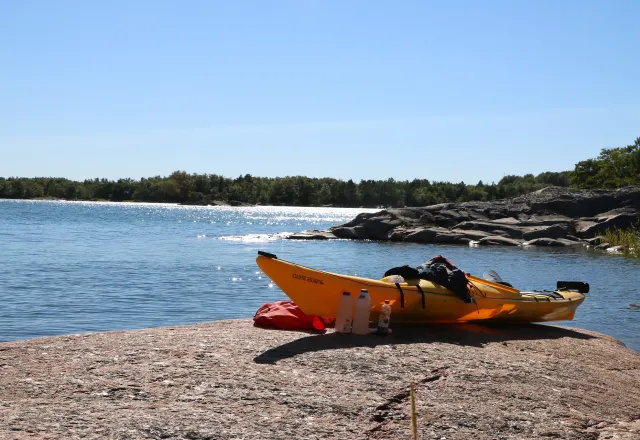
231,380
552,216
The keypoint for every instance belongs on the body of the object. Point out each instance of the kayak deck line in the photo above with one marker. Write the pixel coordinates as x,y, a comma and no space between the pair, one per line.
411,287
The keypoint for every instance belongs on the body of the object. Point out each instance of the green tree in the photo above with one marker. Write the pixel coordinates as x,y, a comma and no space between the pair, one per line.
184,183
613,168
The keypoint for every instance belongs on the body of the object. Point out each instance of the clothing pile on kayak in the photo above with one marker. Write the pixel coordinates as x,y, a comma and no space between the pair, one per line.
438,270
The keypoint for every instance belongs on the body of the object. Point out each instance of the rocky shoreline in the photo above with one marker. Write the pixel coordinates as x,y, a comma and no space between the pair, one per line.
231,380
552,216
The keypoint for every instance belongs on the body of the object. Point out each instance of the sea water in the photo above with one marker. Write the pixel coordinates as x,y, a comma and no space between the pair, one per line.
75,267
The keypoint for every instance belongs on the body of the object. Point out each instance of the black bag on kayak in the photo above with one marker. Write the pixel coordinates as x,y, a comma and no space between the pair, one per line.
437,270
406,272
452,278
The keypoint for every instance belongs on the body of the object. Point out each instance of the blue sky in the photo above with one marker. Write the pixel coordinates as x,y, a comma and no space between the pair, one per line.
448,91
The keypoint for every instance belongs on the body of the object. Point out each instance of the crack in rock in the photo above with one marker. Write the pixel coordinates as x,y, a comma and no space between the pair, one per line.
384,411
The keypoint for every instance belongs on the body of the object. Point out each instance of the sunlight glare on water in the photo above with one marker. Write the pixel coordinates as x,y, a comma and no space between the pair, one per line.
72,267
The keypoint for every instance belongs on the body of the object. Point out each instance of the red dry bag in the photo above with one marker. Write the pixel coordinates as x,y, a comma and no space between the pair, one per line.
288,316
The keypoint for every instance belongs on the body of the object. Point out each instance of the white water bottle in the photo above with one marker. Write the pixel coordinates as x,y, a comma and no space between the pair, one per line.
362,313
344,314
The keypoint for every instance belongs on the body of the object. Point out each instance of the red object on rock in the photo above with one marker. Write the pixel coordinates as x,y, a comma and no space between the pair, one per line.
288,316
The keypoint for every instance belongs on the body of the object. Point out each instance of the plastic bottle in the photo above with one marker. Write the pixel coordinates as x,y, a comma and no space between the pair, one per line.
344,314
385,317
361,315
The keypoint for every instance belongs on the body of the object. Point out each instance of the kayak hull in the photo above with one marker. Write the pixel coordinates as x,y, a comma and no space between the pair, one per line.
317,293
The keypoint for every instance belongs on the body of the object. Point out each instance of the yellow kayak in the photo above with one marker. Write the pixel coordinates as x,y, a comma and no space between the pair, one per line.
317,293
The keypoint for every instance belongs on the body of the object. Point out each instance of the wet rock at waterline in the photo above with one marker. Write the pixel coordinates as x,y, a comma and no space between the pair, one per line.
499,240
312,235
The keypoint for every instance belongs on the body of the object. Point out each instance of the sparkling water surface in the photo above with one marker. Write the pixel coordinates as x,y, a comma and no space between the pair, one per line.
76,267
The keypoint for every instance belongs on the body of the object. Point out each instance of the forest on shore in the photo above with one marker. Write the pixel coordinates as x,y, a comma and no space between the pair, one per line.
613,168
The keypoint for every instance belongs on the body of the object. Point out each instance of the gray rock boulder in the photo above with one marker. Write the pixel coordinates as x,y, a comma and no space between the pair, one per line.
553,231
618,219
545,220
312,235
489,226
545,242
353,232
472,234
561,216
595,241
498,240
435,235
376,226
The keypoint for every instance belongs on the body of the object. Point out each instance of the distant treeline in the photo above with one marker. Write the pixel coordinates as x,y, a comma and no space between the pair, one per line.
296,191
613,168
